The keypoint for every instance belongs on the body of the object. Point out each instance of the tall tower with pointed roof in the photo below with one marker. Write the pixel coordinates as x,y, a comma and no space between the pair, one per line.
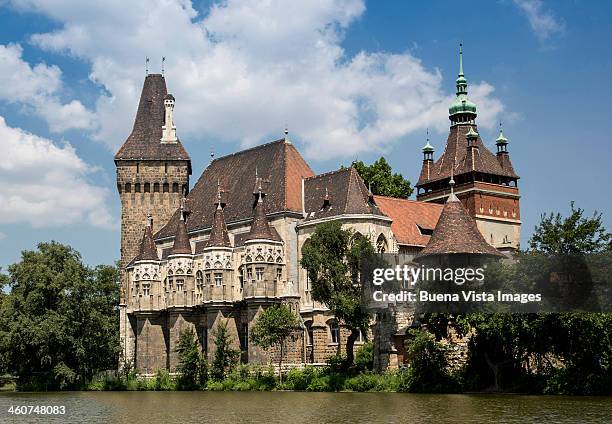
153,170
486,183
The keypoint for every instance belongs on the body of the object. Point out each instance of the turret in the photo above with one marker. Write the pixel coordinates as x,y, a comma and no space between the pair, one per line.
180,285
462,110
144,273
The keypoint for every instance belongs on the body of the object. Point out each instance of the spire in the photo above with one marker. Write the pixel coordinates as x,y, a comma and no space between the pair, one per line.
462,109
219,236
451,183
428,149
501,142
260,228
148,251
168,129
181,239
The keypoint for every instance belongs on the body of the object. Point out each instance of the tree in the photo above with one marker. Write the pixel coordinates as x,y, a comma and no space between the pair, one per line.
226,356
189,358
383,181
575,234
274,327
428,365
332,257
58,324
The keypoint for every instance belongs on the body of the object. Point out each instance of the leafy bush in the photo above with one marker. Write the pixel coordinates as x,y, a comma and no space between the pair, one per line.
214,386
364,359
163,381
319,384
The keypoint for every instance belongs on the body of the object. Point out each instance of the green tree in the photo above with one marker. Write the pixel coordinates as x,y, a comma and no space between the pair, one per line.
58,324
332,257
428,365
189,358
225,357
575,234
383,181
273,328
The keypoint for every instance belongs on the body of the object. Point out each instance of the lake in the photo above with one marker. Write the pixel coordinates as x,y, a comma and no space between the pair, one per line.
297,407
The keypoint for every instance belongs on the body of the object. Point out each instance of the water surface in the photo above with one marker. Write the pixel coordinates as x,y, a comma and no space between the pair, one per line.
312,408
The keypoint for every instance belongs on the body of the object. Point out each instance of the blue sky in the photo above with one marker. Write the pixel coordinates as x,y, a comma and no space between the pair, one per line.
351,79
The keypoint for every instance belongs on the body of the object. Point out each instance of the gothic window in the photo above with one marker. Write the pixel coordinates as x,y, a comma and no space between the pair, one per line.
208,282
249,274
166,188
241,279
334,331
137,188
199,279
309,333
279,274
175,188
179,285
207,266
128,187
147,188
259,273
170,280
381,244
156,188
165,284
218,279
145,289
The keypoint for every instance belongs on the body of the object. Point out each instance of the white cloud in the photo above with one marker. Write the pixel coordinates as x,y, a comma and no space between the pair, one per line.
2,236
37,89
46,185
543,23
246,68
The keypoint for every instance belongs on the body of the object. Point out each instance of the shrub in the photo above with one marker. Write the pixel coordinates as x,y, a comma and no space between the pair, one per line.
319,384
214,386
163,381
363,383
364,359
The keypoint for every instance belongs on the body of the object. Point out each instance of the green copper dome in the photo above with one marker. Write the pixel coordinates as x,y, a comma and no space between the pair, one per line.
461,104
471,133
501,139
428,148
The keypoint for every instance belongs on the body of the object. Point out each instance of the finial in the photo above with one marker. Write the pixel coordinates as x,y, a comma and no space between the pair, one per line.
163,60
451,183
286,133
218,193
460,59
182,209
212,155
147,65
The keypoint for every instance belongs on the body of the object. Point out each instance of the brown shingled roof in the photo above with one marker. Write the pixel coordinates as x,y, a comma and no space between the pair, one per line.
144,141
260,227
278,163
148,251
219,236
345,191
456,233
456,152
411,219
181,241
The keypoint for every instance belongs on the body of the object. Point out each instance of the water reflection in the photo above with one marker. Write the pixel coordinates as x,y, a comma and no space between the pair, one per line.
291,407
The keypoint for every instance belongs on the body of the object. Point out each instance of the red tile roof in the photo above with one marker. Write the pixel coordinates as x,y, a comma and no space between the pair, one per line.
409,217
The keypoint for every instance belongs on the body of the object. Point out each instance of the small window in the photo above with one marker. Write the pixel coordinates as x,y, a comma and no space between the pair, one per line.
208,282
179,285
199,279
249,274
128,187
156,188
137,188
279,274
259,274
218,279
334,331
166,188
175,188
166,167
145,289
147,188
137,168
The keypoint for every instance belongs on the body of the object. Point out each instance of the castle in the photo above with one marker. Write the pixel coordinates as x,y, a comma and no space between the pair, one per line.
231,246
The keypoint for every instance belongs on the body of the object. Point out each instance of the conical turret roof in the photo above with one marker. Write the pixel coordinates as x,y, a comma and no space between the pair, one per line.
219,236
181,240
456,233
260,228
148,251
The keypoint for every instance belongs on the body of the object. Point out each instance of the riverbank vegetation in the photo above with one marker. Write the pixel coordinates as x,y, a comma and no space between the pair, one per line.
59,321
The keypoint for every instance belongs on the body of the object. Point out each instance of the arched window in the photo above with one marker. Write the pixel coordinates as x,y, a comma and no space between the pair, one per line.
309,333
147,188
381,244
128,187
156,188
170,282
137,188
175,188
166,188
334,331
199,279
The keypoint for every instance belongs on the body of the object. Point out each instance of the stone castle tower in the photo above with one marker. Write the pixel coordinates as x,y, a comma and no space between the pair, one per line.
153,170
486,183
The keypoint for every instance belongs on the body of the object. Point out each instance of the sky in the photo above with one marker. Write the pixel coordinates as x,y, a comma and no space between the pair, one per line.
350,79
